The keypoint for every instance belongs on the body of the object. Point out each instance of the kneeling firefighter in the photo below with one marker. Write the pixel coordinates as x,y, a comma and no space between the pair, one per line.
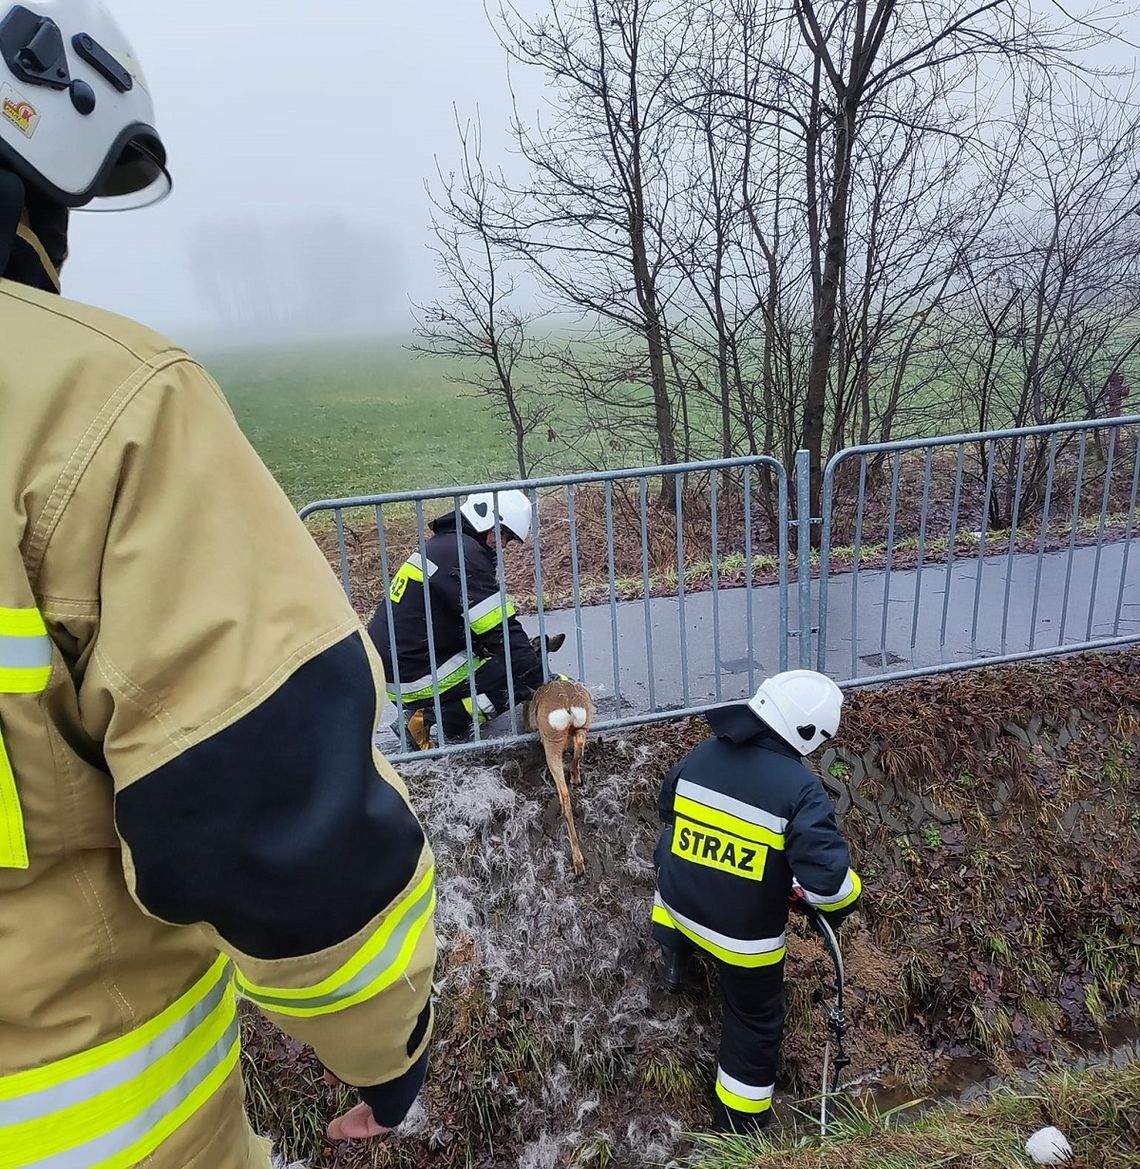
467,608
750,829
191,806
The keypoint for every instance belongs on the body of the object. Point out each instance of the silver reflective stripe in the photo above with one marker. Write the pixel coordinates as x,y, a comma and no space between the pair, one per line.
484,609
25,653
416,561
735,945
740,1088
38,1105
737,808
453,663
412,919
119,1140
845,890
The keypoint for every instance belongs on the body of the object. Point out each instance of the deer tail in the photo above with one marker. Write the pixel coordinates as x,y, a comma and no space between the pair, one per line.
560,720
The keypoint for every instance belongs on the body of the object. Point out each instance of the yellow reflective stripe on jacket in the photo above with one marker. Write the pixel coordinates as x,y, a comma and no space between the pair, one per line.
13,838
25,652
112,1106
380,962
25,668
488,615
715,818
411,569
847,894
450,676
748,953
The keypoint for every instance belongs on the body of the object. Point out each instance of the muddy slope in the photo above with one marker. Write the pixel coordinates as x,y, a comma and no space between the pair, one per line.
1001,848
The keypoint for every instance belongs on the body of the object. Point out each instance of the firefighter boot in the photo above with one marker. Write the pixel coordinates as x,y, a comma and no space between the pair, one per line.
728,1120
673,966
420,729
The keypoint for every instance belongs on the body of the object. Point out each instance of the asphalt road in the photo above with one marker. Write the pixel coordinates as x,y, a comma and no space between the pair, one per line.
876,626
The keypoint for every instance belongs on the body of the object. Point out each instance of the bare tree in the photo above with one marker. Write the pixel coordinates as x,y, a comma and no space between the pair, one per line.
835,75
588,220
762,226
715,312
477,323
1054,288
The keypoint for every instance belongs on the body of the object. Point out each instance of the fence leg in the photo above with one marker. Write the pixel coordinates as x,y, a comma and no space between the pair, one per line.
803,528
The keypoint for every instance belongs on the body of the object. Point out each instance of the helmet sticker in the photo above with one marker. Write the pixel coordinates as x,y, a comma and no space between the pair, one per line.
15,108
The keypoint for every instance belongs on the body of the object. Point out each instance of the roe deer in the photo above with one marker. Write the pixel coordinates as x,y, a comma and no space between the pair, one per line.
561,712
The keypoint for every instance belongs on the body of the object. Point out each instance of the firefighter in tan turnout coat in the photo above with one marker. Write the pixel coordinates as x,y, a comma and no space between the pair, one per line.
191,807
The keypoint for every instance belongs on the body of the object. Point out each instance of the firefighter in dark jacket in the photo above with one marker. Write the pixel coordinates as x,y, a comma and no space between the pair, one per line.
749,830
468,648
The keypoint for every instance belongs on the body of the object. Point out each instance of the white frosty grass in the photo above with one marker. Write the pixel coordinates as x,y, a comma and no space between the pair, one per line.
507,897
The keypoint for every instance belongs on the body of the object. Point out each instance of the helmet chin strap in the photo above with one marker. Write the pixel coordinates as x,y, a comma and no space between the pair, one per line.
33,236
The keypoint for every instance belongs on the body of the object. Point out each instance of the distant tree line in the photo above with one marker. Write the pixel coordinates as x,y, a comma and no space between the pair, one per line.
290,279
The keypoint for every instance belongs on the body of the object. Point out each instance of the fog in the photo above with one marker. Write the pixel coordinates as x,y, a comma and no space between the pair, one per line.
300,137
297,132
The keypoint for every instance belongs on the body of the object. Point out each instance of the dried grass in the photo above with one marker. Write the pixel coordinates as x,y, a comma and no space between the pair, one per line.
554,1046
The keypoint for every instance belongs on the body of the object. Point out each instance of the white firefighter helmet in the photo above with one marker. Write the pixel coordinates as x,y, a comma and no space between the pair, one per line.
801,706
515,512
76,117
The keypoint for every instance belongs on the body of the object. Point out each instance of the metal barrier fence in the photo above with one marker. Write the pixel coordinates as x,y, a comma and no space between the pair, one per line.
633,566
672,584
1027,553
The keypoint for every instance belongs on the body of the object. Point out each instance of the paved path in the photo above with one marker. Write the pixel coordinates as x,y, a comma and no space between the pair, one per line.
723,667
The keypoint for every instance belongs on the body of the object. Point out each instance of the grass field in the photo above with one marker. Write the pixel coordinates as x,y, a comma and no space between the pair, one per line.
1094,1107
330,421
336,419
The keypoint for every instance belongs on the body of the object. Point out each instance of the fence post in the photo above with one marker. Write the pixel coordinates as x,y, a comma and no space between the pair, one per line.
803,528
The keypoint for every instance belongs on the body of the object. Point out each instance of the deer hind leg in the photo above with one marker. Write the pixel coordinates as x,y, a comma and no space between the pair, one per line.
579,744
557,770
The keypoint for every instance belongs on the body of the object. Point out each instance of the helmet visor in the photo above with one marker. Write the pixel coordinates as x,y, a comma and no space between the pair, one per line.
138,179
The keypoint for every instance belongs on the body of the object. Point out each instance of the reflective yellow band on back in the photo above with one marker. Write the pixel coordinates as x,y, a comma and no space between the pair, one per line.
411,569
750,954
450,674
719,850
110,1107
715,818
24,681
380,962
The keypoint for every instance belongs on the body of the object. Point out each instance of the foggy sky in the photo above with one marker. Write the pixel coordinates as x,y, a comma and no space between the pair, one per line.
289,110
295,112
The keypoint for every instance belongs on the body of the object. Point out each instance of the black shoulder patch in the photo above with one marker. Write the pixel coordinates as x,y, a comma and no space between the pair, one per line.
278,831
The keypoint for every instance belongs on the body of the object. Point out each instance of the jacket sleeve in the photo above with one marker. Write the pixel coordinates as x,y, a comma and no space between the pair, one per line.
235,696
665,800
819,856
492,626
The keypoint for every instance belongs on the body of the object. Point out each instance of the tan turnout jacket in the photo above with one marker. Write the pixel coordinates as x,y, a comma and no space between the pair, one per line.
190,800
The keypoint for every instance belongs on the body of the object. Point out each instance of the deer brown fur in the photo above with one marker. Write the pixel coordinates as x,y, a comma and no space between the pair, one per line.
561,713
